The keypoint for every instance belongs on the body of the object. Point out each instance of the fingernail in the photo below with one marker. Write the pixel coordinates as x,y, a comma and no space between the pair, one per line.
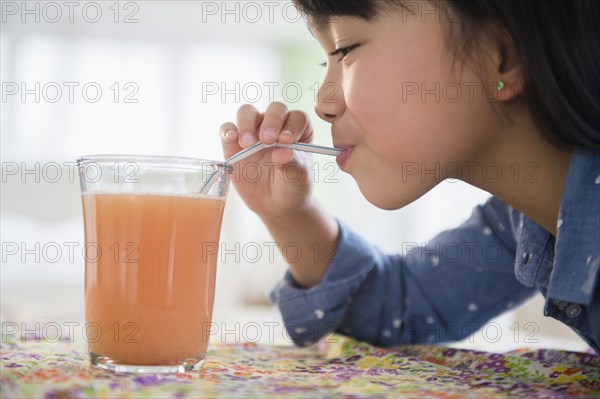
286,133
247,137
270,134
229,136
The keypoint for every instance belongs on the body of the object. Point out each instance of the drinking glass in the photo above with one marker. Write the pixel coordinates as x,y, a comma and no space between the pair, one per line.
151,242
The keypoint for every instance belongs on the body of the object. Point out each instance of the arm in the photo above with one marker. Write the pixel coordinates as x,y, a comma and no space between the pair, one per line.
314,234
442,291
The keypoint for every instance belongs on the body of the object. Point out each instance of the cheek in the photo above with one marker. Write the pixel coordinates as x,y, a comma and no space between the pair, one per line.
412,111
374,110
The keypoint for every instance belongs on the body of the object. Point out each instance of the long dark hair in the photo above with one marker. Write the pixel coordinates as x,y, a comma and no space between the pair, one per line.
558,42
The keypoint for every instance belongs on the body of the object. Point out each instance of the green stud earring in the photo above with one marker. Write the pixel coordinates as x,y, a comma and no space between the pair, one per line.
500,85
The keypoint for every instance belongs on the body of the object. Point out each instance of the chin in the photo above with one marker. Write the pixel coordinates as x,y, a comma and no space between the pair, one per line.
389,198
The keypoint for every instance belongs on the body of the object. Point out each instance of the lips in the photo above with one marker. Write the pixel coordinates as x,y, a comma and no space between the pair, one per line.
342,141
342,157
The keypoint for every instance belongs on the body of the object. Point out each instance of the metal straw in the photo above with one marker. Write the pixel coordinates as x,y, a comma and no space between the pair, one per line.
243,154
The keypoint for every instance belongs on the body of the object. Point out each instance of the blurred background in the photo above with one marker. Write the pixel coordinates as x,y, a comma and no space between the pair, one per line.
160,77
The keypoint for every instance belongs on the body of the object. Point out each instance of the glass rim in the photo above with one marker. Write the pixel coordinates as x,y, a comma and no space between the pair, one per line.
159,160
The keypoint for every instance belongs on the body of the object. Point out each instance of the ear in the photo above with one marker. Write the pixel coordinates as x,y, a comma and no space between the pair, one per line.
506,66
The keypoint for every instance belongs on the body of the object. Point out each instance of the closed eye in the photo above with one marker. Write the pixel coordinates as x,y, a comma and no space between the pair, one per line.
342,52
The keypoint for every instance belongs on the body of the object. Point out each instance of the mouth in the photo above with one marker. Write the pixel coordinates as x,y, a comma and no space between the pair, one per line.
342,157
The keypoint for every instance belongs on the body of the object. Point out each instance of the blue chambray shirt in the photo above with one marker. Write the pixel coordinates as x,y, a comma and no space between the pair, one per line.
463,277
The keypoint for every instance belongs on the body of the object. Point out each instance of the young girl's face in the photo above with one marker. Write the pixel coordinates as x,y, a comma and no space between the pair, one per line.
408,114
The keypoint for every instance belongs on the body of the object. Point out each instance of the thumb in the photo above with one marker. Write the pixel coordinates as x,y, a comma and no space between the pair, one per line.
229,139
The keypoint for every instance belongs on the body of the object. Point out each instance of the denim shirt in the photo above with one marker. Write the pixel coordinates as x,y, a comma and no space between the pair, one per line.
450,287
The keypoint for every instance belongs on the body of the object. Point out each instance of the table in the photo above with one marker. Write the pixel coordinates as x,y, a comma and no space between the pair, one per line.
337,366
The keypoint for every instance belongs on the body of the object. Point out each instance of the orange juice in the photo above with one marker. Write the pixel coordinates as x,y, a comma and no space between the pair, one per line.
149,281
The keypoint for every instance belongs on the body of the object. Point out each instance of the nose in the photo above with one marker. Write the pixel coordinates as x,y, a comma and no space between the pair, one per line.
330,101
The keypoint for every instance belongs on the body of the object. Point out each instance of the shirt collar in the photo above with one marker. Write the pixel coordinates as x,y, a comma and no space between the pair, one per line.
577,248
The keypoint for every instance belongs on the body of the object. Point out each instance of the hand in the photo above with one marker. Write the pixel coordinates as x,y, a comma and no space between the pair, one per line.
274,181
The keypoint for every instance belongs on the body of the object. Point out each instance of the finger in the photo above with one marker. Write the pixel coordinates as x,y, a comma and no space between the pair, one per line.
275,117
248,120
297,127
282,157
229,139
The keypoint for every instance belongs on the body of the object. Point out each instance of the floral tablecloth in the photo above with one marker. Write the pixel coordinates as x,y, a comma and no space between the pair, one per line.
335,367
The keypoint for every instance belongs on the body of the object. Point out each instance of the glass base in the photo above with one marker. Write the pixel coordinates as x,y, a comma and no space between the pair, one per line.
106,363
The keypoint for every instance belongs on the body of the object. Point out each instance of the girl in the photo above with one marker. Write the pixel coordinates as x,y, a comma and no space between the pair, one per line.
458,86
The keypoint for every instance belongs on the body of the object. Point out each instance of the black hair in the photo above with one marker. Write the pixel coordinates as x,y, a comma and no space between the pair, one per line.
558,42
